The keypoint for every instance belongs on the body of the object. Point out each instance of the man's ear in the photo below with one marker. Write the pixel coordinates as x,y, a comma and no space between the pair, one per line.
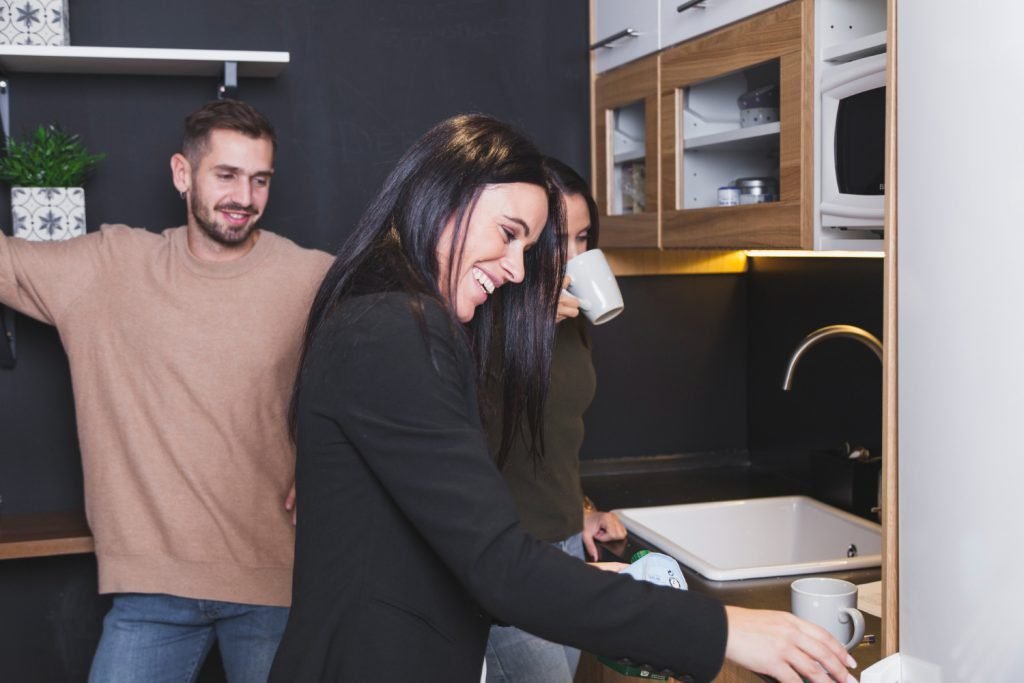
181,173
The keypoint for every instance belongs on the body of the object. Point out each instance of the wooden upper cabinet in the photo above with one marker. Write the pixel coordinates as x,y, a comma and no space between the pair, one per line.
736,105
626,162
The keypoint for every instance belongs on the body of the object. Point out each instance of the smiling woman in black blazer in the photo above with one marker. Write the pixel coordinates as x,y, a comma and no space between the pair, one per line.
408,544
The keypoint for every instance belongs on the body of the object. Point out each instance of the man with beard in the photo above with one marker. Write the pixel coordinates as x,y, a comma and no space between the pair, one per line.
183,348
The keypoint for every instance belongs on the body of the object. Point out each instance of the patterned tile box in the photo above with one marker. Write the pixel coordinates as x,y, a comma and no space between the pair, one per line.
34,22
48,214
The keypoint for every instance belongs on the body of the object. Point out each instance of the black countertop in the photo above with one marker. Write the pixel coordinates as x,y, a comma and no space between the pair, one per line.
828,476
672,480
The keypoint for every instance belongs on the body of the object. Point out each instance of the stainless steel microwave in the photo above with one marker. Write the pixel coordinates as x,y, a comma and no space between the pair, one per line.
852,165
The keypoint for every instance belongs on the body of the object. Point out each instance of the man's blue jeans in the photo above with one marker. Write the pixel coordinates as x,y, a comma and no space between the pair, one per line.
164,639
515,656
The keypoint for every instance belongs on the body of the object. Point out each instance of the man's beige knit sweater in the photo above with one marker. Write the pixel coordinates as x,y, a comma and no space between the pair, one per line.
182,371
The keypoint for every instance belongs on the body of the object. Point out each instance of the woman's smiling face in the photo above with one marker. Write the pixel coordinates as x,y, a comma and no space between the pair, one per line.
506,220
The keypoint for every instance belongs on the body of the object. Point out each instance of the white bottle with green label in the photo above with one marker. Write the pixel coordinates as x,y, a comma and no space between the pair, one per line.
654,568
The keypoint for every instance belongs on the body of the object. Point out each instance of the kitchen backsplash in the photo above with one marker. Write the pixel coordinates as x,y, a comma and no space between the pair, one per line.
695,363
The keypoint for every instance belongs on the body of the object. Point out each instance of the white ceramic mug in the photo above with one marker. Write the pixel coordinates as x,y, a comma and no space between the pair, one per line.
593,283
832,605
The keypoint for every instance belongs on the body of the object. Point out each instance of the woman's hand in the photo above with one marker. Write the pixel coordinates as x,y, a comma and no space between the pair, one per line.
568,305
784,647
600,526
609,566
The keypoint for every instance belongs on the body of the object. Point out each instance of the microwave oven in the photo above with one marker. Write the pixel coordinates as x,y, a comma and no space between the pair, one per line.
852,165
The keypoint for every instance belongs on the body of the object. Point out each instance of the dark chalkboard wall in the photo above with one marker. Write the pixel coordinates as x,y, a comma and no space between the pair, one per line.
837,388
672,369
366,78
695,362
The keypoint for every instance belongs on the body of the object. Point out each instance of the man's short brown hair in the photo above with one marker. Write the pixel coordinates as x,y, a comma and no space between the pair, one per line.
223,115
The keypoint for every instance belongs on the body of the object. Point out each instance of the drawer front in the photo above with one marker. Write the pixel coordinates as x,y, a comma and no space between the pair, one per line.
677,26
612,17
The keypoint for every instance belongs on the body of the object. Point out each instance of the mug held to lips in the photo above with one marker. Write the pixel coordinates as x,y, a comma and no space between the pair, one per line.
593,283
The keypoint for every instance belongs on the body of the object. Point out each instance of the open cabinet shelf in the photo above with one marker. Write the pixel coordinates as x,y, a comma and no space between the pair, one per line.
740,138
865,46
44,534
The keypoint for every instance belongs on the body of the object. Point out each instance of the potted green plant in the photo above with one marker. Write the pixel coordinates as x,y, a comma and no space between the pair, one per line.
46,174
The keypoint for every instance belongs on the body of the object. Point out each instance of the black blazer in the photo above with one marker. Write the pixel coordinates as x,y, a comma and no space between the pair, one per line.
408,543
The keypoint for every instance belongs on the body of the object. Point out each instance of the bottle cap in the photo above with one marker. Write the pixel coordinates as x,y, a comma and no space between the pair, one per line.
637,555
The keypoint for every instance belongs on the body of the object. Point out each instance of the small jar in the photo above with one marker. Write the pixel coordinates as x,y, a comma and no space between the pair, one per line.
728,195
758,190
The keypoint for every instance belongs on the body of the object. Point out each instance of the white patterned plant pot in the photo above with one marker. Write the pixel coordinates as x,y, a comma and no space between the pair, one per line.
48,214
34,22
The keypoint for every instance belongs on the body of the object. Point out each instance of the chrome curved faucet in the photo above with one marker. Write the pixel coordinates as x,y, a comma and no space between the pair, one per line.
849,331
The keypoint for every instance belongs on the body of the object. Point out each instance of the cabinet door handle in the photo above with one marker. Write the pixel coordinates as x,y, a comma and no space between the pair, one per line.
699,4
607,42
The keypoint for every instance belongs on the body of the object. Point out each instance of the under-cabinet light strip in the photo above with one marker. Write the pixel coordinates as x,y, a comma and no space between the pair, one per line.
783,253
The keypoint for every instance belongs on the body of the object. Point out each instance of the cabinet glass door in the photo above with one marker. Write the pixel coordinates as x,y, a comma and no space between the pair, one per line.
629,160
729,139
737,169
626,162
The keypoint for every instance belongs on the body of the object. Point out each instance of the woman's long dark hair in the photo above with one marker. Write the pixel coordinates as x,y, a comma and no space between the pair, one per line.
570,183
394,248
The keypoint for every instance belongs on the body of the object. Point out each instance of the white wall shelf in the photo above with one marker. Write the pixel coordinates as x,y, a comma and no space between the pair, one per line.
78,59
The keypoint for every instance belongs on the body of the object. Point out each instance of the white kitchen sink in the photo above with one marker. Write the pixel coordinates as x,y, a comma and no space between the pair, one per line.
759,537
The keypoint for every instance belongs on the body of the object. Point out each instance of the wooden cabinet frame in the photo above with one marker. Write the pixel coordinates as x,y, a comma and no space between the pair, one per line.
786,34
636,81
890,366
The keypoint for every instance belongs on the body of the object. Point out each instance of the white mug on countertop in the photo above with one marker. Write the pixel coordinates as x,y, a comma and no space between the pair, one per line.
593,283
832,605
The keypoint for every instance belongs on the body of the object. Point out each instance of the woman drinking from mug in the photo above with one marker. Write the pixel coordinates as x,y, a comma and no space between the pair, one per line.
408,543
547,493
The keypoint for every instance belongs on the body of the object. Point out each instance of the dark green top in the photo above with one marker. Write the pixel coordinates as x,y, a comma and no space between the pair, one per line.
548,496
